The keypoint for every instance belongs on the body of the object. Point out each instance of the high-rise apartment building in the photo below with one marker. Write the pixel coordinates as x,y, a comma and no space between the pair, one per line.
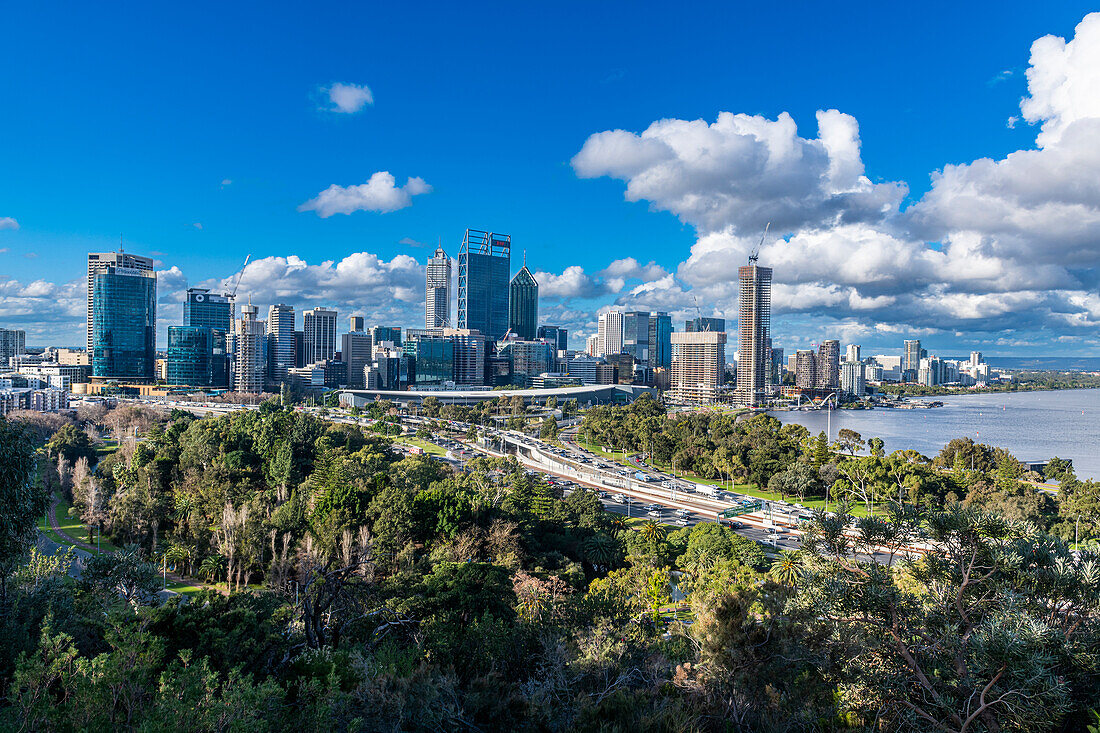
319,327
280,342
523,304
201,308
611,333
249,362
13,342
852,378
484,266
124,323
753,334
976,358
852,353
828,364
698,365
805,369
910,360
660,341
356,348
437,293
592,345
97,261
705,324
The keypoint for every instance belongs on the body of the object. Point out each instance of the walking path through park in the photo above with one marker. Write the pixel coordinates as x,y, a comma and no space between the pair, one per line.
177,583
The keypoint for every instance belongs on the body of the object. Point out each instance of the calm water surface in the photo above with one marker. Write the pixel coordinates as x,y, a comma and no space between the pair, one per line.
1031,425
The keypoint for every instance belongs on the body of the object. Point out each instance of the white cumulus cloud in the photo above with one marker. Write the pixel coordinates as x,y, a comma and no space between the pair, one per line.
7,222
348,98
380,193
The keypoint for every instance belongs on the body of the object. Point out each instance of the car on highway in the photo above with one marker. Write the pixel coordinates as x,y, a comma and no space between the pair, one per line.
618,497
680,521
654,513
682,512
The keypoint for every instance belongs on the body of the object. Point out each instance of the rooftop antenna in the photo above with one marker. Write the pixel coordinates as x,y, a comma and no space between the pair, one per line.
121,249
755,254
238,283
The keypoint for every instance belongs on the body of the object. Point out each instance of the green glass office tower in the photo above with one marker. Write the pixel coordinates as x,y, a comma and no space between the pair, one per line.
523,305
484,263
196,357
124,323
203,308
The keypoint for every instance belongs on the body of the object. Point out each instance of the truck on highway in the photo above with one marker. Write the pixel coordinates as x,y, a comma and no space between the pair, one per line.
706,490
642,476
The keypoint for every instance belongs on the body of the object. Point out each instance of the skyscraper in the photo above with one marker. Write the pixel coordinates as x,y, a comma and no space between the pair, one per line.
97,261
248,358
124,322
592,345
828,364
437,293
203,308
853,353
636,335
705,324
355,323
805,369
469,355
484,264
196,357
382,334
698,365
911,358
280,346
611,332
660,341
556,335
319,326
753,333
356,349
523,304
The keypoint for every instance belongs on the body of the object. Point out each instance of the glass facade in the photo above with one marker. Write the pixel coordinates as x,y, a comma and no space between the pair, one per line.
382,334
556,335
636,335
433,359
203,308
196,357
660,341
523,305
124,324
484,266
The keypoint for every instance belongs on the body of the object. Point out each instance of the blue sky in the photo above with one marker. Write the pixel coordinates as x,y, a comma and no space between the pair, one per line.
199,133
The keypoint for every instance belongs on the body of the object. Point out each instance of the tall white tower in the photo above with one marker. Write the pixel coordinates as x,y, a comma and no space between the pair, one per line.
437,294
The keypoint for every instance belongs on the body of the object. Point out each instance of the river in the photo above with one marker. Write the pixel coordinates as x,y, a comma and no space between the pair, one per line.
1031,425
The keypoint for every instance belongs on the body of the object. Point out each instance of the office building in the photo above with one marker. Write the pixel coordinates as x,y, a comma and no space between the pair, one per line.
124,323
299,349
754,320
393,368
484,266
281,354
660,341
705,324
355,324
437,293
433,359
13,342
698,365
356,349
911,359
584,368
249,358
611,333
201,308
469,356
636,335
529,359
852,378
853,353
828,364
592,345
97,261
196,357
319,327
805,369
556,335
523,305
386,334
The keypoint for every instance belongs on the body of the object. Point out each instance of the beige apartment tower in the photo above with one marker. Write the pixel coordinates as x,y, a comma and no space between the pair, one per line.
698,365
754,321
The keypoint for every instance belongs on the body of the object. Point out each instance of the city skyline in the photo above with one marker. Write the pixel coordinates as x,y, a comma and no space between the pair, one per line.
869,274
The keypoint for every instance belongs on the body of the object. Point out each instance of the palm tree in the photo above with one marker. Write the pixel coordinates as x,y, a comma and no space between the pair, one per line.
616,523
652,532
788,569
600,550
177,555
211,567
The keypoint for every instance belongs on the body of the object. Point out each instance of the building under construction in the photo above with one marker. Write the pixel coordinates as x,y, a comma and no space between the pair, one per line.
754,334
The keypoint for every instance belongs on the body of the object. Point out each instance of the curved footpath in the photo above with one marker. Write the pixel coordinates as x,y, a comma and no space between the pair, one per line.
85,550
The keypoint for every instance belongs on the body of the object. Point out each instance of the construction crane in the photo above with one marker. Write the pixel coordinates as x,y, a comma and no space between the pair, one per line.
755,254
700,312
236,285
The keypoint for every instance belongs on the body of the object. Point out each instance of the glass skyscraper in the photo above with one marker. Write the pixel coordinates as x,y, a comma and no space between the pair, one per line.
124,323
636,335
203,308
660,341
523,305
484,265
433,359
196,357
556,335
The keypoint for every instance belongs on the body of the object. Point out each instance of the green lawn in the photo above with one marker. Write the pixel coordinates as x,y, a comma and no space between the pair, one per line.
73,527
429,448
